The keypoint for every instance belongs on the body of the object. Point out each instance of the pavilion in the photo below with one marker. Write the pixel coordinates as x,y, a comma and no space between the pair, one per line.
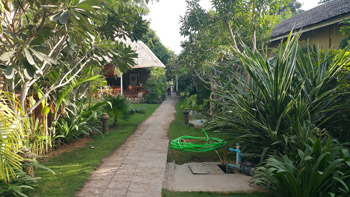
133,83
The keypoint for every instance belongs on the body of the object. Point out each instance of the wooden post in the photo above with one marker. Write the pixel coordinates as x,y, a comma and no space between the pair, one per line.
121,84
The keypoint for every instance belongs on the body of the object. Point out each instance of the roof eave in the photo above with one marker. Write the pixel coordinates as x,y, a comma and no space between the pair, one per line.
313,27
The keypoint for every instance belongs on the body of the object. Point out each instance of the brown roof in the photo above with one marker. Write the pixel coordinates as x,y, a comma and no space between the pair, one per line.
145,57
316,15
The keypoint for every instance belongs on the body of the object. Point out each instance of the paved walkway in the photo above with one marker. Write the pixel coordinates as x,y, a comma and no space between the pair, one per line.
136,168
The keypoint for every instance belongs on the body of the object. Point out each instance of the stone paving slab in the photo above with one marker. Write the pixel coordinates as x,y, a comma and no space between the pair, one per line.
181,179
137,167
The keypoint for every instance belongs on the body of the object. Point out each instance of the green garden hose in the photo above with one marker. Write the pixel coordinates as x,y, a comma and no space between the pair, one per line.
204,144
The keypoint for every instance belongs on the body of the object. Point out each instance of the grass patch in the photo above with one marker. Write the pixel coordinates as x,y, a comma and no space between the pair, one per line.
74,168
166,193
177,129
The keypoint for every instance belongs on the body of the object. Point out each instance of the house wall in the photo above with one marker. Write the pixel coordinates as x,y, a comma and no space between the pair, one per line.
325,37
141,74
328,37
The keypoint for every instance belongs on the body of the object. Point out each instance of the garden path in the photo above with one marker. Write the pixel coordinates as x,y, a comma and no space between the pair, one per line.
137,167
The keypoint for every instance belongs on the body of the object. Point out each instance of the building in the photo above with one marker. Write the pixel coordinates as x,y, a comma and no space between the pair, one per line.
133,83
319,25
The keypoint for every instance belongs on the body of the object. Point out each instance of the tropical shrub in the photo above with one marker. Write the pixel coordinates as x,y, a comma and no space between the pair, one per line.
18,186
77,122
12,137
345,30
285,99
337,126
117,108
191,102
318,170
156,86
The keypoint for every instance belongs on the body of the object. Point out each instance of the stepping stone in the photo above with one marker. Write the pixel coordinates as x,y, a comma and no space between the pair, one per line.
205,168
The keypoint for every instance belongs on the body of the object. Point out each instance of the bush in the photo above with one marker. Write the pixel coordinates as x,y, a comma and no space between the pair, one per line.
286,98
191,102
76,123
117,107
316,171
339,124
18,186
156,86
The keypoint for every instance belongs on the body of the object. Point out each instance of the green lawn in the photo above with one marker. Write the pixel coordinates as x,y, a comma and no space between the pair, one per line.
73,168
177,129
166,193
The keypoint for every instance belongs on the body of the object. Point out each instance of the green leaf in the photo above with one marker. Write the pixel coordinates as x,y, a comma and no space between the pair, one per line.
9,72
45,110
29,57
75,2
7,56
70,88
29,70
56,16
39,166
63,18
308,158
85,7
43,57
43,34
348,163
342,182
88,2
317,148
76,15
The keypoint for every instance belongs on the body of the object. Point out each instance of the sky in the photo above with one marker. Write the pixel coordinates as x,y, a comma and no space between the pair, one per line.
165,19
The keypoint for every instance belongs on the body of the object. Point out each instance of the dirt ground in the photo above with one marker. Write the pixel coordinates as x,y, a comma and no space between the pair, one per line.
80,142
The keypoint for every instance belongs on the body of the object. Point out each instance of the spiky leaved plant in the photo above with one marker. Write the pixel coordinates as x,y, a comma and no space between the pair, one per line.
286,97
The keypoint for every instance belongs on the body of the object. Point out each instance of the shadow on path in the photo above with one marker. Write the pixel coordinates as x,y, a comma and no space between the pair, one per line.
137,167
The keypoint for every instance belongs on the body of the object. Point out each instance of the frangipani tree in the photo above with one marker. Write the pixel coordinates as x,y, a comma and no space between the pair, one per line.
49,46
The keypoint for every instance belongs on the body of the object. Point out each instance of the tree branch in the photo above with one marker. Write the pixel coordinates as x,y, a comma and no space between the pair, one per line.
57,86
233,37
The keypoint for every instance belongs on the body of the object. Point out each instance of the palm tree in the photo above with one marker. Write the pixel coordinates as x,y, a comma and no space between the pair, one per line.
118,108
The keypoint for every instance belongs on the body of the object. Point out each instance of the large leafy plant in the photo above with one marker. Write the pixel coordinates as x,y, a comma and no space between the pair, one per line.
318,170
19,186
78,120
12,137
49,44
118,108
156,86
284,99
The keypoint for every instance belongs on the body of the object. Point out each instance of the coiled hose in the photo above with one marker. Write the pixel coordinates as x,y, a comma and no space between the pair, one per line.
197,144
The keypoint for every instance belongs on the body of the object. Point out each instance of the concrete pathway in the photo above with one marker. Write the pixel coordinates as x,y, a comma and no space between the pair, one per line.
136,168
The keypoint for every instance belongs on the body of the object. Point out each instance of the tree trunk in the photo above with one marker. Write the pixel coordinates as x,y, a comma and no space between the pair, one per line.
233,37
24,93
254,38
115,123
213,97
